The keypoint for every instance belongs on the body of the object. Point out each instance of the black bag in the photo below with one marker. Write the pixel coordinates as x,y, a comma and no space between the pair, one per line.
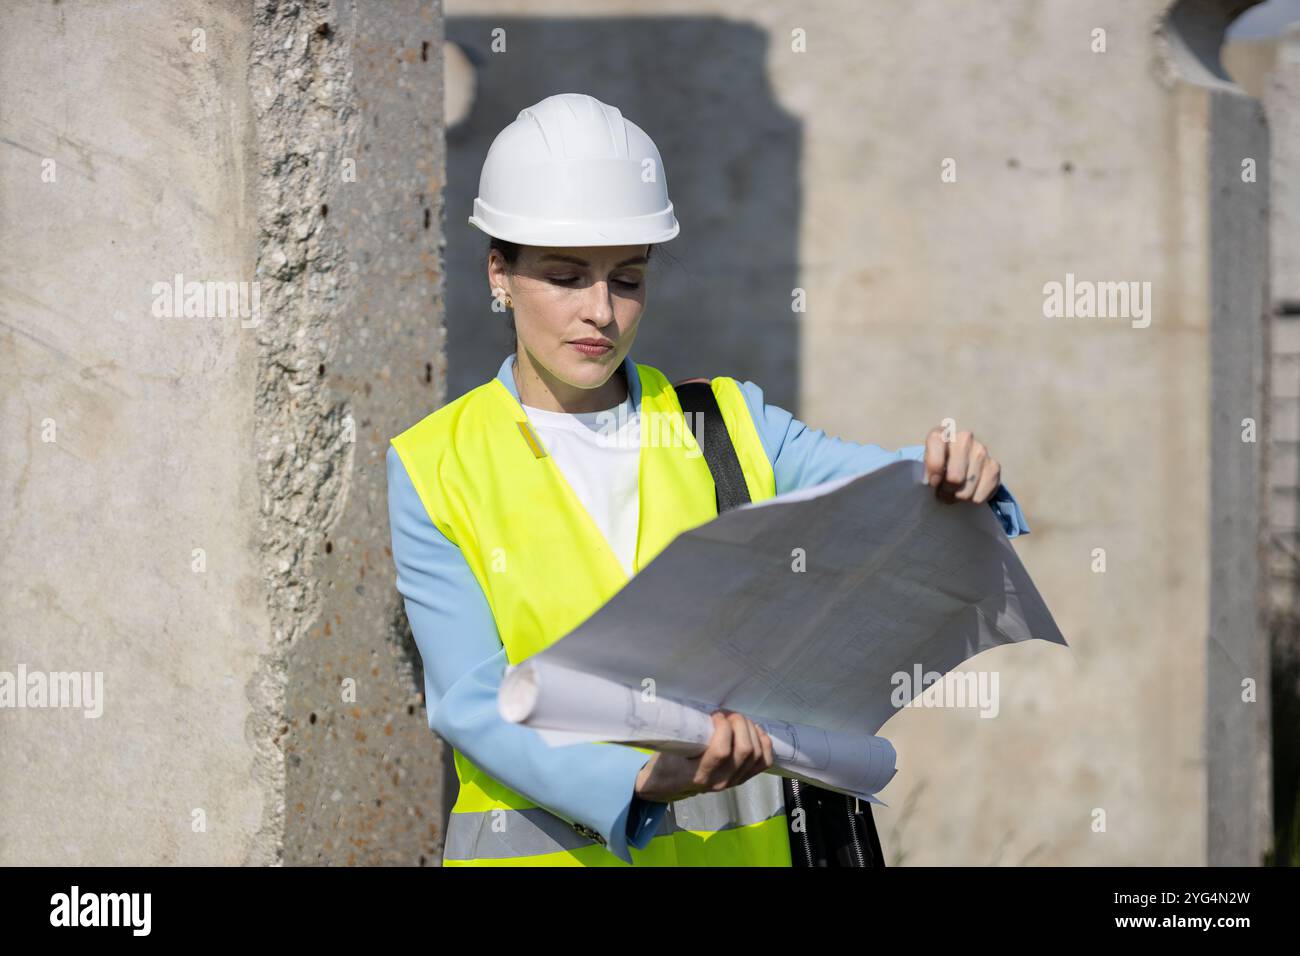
838,829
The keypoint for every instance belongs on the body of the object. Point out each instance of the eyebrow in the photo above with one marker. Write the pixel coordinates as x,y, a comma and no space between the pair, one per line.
561,257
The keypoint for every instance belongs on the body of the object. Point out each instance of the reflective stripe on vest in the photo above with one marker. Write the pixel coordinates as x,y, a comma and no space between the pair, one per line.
500,835
489,485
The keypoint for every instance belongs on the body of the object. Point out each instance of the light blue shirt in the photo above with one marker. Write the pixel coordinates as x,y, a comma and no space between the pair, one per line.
464,660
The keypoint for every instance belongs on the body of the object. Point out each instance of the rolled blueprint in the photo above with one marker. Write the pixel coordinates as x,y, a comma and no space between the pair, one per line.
567,706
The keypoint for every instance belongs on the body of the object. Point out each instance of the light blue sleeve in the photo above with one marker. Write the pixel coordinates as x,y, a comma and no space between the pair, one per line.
464,662
802,456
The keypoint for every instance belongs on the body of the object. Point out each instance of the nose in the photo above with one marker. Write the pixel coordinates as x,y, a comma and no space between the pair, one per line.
598,303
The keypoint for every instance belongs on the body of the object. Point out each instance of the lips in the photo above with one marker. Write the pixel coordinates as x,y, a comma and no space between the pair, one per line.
593,347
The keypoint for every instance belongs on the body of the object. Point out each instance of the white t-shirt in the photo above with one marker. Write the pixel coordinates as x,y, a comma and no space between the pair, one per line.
598,453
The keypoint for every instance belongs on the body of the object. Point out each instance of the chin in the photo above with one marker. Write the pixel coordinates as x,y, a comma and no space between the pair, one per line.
588,377
591,372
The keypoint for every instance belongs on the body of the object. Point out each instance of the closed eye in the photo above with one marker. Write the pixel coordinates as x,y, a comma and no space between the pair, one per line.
570,280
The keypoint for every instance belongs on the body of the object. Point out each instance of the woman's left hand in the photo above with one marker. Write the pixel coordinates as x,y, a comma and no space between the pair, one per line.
961,469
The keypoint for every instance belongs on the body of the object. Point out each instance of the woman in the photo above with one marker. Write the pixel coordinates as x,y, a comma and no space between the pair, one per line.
516,512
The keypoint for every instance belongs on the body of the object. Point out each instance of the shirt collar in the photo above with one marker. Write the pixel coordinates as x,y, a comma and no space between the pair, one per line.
505,375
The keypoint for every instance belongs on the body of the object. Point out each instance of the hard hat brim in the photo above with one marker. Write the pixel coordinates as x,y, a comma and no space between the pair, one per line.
655,228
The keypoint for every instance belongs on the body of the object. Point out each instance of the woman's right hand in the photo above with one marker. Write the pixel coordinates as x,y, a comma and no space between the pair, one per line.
738,750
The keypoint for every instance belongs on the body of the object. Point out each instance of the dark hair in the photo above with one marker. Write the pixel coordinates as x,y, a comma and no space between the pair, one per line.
510,252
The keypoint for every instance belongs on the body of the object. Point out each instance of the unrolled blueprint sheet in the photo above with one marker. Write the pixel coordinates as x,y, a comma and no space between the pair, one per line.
804,607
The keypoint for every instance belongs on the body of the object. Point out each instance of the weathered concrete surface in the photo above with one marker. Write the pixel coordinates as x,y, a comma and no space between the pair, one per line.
821,171
1270,70
151,459
200,526
1237,737
365,776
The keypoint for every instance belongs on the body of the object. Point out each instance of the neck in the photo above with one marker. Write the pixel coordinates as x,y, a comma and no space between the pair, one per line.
538,388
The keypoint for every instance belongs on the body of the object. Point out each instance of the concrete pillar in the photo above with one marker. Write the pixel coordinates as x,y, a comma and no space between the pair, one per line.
1269,69
195,507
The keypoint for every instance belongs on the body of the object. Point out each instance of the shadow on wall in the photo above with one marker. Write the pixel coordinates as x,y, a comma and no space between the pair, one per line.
719,293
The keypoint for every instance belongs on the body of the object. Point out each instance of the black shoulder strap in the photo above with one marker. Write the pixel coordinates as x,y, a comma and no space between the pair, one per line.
704,418
837,832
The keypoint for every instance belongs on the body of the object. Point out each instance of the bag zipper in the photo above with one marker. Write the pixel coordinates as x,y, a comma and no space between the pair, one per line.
853,828
803,834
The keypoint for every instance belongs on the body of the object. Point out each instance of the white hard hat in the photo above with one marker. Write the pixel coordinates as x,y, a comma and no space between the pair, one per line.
571,171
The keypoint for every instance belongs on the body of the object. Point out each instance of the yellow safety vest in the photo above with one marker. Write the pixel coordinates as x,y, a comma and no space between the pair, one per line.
489,485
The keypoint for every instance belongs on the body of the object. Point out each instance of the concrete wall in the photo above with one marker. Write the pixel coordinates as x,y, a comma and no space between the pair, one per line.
1270,70
821,171
196,506
193,504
